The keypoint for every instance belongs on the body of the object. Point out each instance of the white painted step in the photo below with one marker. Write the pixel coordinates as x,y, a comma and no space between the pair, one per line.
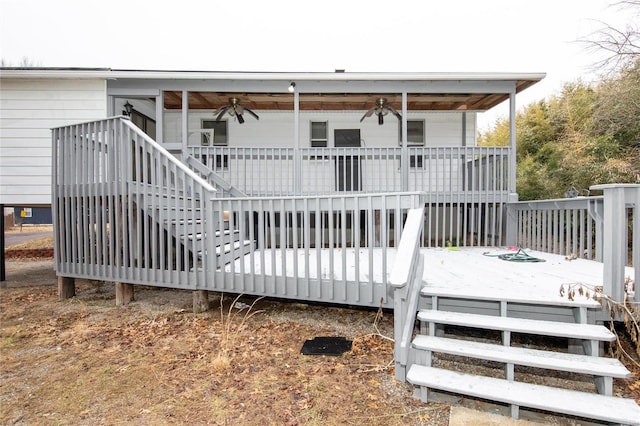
574,403
505,295
519,325
583,364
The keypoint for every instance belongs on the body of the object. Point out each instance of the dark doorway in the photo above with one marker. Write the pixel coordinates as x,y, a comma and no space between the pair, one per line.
347,164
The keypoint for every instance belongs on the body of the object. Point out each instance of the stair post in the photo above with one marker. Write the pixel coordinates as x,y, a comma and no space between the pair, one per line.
617,197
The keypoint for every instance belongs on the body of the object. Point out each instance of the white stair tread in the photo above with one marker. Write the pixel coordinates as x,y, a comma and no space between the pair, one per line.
584,364
519,325
227,232
581,404
236,246
447,291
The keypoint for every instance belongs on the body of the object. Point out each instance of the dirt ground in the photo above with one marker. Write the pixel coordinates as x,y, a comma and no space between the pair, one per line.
85,361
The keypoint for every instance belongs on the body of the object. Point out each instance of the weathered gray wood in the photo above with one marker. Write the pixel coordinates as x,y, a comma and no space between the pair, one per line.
66,287
581,404
200,301
124,293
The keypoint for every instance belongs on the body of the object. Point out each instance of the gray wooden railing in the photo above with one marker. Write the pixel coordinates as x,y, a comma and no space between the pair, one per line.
126,210
475,171
122,206
406,280
566,226
336,249
604,228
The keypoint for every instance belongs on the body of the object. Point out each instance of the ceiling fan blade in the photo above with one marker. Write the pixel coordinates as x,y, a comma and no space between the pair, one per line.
368,114
252,113
240,118
394,112
221,113
380,119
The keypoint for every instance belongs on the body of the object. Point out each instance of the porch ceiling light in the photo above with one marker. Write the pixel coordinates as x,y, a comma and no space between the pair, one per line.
292,87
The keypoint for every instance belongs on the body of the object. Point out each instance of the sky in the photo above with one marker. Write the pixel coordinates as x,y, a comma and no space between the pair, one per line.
306,35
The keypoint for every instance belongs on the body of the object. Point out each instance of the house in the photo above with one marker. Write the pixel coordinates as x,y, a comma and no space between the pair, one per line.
345,188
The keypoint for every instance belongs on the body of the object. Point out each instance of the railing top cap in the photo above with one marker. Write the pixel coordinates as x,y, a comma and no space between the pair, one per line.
613,185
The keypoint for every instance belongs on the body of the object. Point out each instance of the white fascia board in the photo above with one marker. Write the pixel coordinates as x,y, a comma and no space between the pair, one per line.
264,76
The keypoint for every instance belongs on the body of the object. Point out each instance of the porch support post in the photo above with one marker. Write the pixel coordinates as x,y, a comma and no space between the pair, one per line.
185,120
513,195
160,117
297,169
124,293
405,151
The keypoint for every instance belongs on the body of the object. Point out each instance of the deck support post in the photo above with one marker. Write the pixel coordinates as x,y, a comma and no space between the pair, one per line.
200,301
124,293
66,287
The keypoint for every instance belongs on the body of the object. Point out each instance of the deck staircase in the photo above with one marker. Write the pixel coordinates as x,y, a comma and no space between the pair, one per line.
477,354
181,232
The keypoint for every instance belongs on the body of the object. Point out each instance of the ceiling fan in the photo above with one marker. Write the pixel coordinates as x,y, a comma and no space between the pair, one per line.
234,109
381,109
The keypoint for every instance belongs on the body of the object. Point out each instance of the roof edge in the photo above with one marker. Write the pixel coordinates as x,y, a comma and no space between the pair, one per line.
109,73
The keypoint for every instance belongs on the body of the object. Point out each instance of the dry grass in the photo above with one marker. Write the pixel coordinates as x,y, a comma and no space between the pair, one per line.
85,361
38,243
29,228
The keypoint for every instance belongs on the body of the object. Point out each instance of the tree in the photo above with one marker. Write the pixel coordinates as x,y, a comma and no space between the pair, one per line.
620,47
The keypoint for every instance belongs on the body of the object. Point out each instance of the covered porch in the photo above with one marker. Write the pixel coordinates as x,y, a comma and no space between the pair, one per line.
329,133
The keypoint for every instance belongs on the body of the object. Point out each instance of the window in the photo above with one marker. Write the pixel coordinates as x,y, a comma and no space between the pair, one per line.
319,134
415,137
219,133
415,133
220,139
146,124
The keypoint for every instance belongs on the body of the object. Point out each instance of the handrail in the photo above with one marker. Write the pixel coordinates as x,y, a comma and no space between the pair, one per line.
180,165
406,280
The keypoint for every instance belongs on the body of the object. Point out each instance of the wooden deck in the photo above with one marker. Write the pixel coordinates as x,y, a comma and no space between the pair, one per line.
473,273
477,273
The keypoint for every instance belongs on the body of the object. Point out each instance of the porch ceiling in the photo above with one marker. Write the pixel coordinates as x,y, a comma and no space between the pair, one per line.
339,101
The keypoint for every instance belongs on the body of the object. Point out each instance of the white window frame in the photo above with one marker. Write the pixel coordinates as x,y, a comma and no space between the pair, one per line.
314,142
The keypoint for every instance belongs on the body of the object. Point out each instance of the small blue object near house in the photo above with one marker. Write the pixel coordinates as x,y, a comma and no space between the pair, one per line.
32,215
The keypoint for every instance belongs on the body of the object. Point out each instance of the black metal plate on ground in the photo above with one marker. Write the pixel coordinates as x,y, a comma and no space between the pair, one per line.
328,345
